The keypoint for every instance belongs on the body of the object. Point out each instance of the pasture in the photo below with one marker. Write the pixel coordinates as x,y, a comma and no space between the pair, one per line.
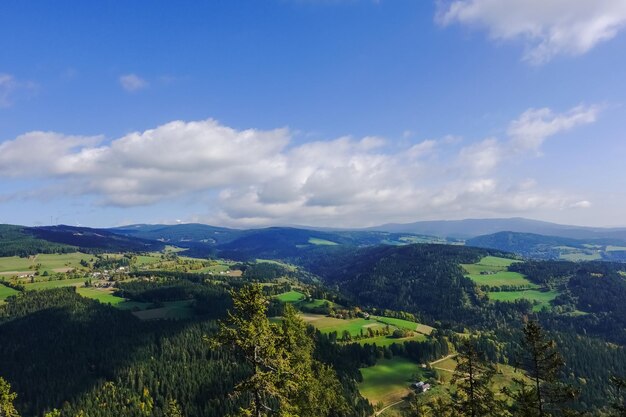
290,297
542,298
105,296
382,341
60,262
389,380
405,324
6,292
56,283
330,324
493,271
321,242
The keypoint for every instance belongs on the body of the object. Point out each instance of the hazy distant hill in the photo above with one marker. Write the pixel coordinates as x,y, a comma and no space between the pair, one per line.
180,233
271,242
24,241
468,228
552,247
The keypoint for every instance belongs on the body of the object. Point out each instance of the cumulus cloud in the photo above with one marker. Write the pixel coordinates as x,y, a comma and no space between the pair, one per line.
531,129
547,27
256,177
132,82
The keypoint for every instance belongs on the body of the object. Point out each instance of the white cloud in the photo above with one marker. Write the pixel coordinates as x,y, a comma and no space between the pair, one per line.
534,126
547,27
132,82
581,204
254,177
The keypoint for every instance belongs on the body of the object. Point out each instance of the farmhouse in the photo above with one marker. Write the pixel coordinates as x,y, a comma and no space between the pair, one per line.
420,386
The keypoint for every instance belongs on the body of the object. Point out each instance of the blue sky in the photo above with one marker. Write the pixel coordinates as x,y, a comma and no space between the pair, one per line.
327,112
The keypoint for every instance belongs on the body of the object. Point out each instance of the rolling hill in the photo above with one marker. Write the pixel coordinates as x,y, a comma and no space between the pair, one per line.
469,228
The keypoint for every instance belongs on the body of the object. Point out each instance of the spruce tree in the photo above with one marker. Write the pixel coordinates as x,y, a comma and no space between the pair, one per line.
546,393
473,376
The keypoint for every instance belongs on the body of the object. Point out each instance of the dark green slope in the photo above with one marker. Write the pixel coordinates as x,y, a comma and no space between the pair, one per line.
26,241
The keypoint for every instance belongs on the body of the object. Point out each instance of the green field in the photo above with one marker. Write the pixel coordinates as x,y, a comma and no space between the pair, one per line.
143,260
492,271
543,298
49,262
611,248
6,292
105,296
404,324
330,324
389,380
44,285
321,242
388,340
580,256
290,297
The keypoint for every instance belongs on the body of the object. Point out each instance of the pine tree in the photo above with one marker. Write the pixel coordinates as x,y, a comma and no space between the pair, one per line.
7,409
473,377
251,336
545,395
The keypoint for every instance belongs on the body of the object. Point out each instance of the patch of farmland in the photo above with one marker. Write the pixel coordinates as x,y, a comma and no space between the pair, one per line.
6,292
321,242
290,297
493,271
542,298
389,380
330,324
57,283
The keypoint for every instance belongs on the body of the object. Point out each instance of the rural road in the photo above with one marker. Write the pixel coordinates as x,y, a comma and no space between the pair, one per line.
377,413
453,355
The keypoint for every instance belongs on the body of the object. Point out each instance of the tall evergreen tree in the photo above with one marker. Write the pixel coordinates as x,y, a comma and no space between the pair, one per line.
286,380
473,377
545,395
248,332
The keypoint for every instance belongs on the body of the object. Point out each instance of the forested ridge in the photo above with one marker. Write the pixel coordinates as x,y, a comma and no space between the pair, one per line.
62,351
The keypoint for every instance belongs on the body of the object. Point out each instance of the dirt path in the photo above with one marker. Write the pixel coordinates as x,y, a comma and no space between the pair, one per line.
453,355
377,413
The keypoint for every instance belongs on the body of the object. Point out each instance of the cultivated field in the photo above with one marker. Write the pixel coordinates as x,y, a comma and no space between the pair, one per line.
290,297
321,242
389,380
405,324
382,341
330,324
6,292
63,262
492,271
543,298
45,285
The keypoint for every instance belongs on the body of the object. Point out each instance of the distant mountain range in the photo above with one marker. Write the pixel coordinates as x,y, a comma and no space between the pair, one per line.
528,238
469,228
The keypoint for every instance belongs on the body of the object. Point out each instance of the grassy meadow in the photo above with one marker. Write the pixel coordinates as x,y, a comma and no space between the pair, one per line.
543,298
389,380
13,265
493,271
6,292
